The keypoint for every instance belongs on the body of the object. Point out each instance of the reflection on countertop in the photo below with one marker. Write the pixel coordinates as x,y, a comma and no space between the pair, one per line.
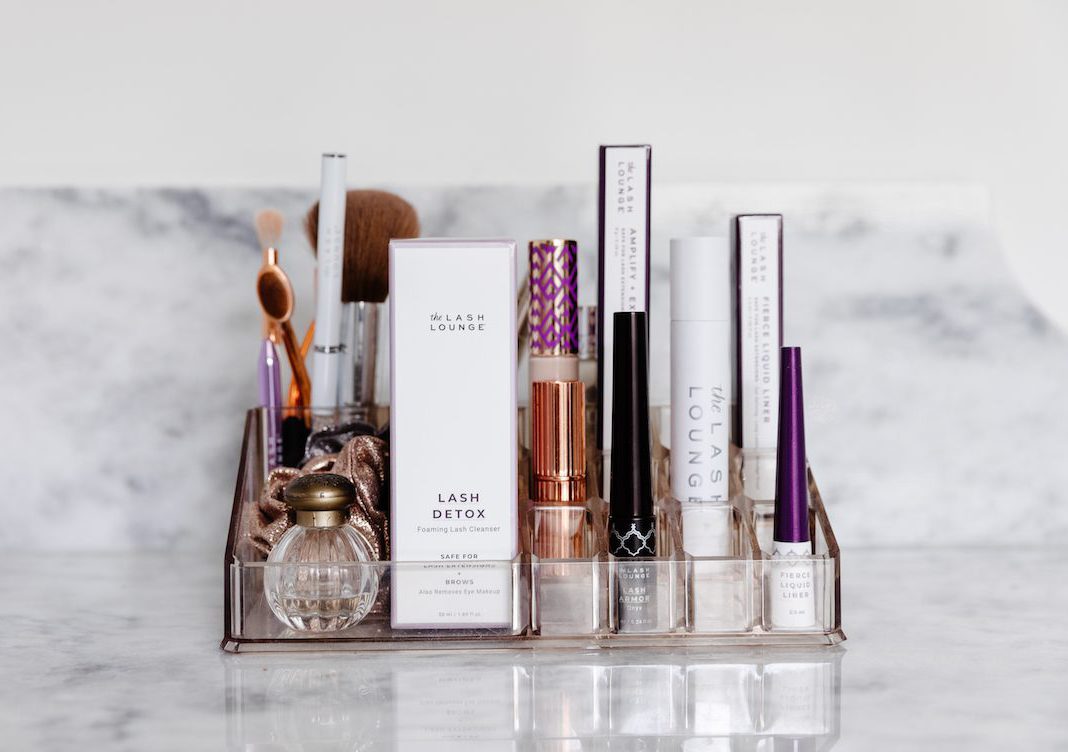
655,700
948,649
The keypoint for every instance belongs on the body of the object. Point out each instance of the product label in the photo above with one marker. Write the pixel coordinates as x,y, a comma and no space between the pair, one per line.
452,433
635,579
700,404
791,586
636,591
454,595
759,285
459,323
624,263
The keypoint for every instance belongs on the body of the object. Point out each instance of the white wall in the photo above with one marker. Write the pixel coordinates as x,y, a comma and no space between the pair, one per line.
205,92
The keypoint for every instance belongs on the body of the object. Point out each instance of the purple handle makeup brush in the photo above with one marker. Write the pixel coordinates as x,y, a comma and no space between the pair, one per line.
270,377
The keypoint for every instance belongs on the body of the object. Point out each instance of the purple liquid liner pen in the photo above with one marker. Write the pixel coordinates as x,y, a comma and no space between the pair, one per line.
791,587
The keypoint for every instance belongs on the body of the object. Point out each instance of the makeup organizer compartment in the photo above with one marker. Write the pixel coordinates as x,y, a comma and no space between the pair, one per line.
569,603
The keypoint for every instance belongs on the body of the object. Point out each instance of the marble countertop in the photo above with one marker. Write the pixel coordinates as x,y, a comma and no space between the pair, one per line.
947,649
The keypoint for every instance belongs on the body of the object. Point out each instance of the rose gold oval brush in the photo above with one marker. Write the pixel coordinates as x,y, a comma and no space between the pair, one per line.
276,300
268,229
305,346
269,224
372,219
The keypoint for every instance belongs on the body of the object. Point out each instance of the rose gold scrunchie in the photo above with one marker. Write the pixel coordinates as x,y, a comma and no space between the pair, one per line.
363,461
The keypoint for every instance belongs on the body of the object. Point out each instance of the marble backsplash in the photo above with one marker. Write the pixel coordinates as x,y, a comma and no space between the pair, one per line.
934,389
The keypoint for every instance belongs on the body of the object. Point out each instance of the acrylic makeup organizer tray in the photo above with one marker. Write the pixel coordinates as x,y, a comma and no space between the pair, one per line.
557,603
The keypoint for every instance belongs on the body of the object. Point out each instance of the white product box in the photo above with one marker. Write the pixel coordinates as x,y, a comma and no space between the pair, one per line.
454,494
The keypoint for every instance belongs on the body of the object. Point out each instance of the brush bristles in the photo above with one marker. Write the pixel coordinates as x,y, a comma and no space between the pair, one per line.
269,223
275,296
372,219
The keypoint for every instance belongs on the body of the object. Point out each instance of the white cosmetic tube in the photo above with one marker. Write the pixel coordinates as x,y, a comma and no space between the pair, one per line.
327,347
701,391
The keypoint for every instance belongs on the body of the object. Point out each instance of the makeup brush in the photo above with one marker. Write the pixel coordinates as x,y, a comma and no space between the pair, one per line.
305,348
276,299
372,219
269,224
294,389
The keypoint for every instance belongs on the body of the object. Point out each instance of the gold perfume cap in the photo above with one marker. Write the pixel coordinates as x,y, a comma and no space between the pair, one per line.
559,441
320,499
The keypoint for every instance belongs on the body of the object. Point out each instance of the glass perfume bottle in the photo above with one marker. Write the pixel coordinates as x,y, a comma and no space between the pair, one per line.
321,576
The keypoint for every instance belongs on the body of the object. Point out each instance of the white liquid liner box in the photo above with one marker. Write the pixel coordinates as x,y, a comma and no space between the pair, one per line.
758,260
453,482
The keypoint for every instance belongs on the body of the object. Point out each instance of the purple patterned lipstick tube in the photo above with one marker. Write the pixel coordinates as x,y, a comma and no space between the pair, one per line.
554,320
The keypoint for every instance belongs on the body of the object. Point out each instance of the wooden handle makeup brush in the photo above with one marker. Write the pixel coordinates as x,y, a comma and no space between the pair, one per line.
372,219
